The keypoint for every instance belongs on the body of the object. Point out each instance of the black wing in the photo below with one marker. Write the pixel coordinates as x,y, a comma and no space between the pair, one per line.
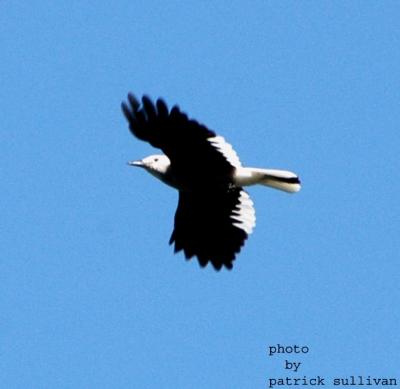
194,159
213,225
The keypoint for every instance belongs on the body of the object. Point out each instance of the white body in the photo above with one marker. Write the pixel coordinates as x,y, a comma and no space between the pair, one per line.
158,165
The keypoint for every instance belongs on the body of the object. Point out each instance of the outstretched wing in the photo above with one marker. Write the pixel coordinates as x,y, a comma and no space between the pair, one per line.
197,155
213,225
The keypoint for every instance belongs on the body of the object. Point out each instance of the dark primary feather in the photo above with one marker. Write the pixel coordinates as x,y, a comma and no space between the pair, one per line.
193,159
203,227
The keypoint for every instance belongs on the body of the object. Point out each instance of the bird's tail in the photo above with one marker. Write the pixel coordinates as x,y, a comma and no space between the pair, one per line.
280,179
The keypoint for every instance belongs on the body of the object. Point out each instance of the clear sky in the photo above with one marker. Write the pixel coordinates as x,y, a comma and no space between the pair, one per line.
91,295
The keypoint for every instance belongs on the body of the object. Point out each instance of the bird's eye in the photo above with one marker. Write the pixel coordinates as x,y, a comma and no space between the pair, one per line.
155,159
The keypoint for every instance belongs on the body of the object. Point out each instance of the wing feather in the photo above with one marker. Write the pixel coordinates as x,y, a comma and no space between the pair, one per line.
197,155
213,226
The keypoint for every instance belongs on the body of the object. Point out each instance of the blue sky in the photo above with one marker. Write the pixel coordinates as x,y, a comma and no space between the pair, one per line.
91,295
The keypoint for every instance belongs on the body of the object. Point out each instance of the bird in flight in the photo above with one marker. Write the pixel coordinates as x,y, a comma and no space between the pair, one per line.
215,215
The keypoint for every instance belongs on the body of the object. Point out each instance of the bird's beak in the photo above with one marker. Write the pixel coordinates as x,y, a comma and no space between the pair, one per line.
136,163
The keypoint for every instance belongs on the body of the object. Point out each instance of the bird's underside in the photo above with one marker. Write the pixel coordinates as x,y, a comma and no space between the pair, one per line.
214,215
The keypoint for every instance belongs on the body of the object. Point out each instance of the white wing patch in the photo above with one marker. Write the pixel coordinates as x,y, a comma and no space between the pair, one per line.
226,150
244,214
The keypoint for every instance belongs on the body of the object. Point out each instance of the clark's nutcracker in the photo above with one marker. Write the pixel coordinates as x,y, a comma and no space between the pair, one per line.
214,215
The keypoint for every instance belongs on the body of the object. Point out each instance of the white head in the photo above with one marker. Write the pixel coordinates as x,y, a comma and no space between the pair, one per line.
157,165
